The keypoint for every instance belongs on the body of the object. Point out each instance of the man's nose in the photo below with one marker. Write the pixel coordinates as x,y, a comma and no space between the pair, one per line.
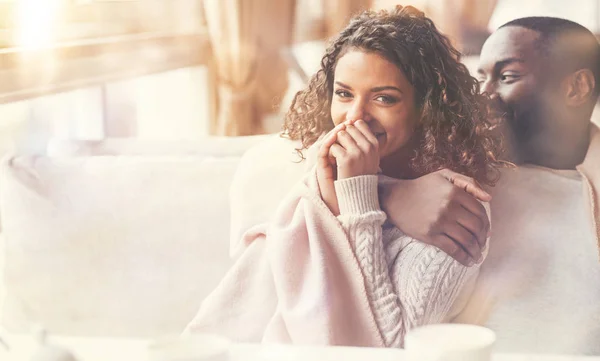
488,87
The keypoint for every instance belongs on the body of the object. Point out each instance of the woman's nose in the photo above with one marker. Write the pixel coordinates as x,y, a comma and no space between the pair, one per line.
356,112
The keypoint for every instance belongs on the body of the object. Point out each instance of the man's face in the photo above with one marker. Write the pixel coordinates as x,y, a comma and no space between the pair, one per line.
512,70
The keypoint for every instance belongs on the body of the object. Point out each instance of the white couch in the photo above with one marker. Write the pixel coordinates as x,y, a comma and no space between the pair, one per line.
115,238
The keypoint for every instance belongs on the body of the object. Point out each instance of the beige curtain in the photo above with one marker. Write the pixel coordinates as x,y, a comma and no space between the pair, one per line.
339,12
250,73
458,19
323,19
462,19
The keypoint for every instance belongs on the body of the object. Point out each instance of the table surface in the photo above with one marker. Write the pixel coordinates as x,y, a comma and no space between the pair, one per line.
105,349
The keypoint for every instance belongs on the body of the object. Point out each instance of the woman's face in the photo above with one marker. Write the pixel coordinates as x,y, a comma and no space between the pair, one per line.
369,87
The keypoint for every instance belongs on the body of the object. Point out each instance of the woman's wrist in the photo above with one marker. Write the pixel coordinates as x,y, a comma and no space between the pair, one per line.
358,195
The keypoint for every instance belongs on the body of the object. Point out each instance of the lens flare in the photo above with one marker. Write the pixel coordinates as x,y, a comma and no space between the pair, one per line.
37,22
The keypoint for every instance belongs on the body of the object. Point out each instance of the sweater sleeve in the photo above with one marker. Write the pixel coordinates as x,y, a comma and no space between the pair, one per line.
409,287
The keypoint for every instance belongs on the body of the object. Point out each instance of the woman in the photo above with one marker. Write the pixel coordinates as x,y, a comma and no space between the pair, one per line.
391,100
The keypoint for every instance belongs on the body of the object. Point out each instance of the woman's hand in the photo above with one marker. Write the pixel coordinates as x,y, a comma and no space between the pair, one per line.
348,150
327,171
356,151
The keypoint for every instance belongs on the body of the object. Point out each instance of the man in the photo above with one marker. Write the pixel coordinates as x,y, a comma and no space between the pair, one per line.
539,288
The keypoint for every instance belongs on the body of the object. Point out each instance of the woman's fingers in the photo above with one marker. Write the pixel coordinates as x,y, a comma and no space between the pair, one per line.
329,139
366,131
346,141
361,141
337,151
360,156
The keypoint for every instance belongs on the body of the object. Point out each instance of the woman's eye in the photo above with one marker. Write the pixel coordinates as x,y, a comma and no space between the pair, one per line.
386,99
343,94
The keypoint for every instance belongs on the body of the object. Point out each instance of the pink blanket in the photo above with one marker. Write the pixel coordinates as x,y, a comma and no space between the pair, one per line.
296,281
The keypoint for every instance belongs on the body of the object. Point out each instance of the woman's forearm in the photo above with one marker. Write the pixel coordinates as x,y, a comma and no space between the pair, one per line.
422,282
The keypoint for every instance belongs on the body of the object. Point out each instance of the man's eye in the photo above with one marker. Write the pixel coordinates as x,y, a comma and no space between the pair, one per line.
508,77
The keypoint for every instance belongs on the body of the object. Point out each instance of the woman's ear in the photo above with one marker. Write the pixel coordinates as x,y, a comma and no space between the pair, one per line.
580,87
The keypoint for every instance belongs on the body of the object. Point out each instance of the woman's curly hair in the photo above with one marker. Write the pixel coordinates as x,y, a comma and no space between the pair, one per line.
454,129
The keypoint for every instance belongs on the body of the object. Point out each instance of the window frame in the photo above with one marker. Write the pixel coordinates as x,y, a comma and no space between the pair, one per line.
89,61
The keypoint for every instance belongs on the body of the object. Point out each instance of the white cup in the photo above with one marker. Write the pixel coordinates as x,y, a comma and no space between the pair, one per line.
189,347
449,342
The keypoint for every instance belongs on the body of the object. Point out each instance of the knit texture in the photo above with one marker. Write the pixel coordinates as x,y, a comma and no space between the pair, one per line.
409,283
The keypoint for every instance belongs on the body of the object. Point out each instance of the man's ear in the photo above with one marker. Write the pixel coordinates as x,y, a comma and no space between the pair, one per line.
580,87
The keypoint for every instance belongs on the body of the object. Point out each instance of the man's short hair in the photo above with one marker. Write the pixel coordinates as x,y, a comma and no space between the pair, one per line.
577,47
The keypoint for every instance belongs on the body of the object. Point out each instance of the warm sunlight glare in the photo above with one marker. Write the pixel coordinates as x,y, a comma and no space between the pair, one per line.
36,22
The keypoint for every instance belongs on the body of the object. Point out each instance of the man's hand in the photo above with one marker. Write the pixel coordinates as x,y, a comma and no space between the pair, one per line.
441,209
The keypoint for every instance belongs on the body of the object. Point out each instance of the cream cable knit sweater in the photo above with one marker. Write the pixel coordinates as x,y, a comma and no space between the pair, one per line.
409,283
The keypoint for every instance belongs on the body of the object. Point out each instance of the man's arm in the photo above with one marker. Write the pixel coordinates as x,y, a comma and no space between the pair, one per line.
442,209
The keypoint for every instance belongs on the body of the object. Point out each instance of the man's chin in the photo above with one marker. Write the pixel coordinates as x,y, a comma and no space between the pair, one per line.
509,145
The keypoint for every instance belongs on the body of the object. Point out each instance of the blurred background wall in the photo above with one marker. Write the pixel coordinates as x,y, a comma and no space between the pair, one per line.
187,69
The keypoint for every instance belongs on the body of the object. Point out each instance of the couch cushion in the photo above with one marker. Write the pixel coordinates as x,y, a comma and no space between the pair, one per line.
112,246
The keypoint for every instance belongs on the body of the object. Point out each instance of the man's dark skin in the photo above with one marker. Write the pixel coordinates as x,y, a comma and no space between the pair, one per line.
549,109
431,207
